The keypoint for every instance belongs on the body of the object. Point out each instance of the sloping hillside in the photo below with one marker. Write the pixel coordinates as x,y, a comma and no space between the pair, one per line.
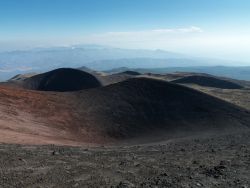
64,79
133,109
208,81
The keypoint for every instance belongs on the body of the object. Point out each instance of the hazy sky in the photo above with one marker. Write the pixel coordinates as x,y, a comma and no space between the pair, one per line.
212,28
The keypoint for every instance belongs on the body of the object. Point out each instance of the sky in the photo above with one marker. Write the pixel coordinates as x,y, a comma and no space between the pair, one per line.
206,28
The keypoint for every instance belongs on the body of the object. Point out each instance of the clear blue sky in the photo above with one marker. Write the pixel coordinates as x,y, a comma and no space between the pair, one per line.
72,21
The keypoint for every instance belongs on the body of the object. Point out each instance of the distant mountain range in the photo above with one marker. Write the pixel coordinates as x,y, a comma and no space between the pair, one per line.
96,57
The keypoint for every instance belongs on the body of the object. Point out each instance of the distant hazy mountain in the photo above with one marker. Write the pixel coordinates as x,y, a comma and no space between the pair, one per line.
151,63
43,59
94,57
74,56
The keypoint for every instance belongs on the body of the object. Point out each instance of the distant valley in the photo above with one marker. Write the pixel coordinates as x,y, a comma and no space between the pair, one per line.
102,58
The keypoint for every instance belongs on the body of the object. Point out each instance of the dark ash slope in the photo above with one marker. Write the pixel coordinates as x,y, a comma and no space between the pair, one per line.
141,105
132,73
208,81
63,79
138,110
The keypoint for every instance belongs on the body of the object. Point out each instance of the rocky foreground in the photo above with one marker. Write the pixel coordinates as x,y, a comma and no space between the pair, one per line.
213,161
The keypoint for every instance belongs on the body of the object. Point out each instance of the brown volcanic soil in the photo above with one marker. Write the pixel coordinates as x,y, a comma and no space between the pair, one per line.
214,150
138,108
212,161
208,81
31,117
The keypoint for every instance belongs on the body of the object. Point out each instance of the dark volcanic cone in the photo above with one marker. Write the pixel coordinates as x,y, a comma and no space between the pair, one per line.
139,105
64,79
208,82
135,110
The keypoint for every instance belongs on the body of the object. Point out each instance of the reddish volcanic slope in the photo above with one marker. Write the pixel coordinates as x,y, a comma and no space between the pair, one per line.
127,110
31,117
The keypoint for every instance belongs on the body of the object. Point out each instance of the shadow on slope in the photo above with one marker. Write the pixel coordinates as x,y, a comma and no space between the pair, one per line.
63,79
141,105
132,73
129,111
208,81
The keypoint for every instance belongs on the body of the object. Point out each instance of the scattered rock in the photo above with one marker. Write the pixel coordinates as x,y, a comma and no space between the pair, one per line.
199,184
125,184
215,172
55,153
